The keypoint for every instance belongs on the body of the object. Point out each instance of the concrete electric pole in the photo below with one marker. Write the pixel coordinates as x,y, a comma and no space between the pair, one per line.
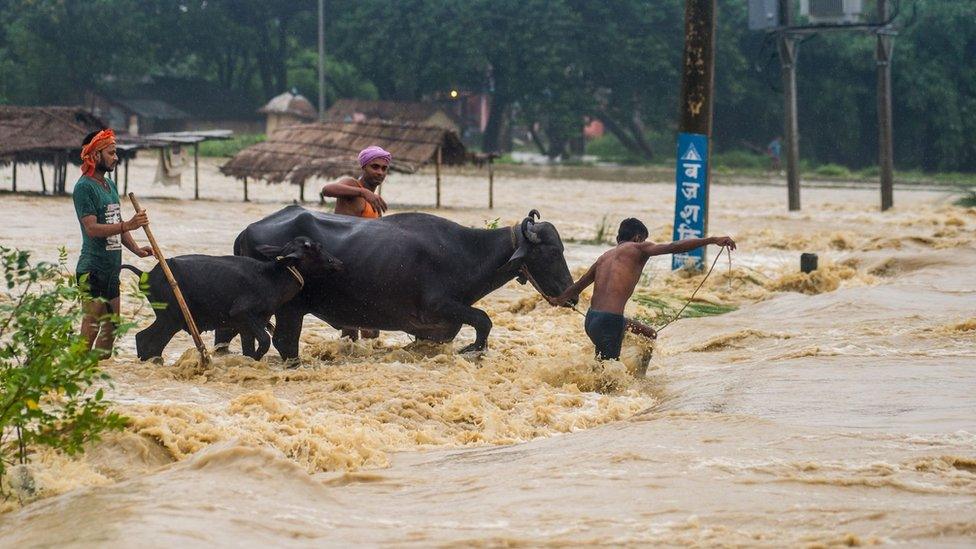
692,168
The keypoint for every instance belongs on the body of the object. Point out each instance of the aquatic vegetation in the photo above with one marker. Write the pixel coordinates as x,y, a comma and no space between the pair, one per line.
666,307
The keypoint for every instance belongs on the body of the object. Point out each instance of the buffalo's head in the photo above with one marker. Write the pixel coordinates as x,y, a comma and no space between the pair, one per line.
540,250
304,254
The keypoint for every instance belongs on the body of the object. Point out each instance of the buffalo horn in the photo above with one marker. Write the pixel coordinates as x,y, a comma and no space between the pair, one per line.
532,233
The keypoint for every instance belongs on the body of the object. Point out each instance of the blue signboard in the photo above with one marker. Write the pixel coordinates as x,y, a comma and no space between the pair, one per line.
691,196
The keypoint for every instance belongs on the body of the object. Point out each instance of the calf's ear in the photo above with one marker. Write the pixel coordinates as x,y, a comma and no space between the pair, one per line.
270,252
515,261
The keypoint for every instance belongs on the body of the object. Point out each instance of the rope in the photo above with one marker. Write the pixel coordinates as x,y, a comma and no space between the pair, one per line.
525,272
700,284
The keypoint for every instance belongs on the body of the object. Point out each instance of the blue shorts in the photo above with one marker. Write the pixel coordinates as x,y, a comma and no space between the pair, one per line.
606,331
100,284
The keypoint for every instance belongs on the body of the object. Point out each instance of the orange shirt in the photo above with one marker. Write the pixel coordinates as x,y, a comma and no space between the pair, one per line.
368,211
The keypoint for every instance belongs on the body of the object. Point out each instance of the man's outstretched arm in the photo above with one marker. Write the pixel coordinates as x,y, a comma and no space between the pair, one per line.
686,245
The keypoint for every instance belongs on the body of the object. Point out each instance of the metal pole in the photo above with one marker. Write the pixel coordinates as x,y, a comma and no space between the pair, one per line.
886,42
788,46
321,60
196,171
437,168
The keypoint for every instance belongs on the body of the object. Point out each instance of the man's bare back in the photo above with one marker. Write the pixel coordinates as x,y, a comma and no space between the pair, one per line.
616,274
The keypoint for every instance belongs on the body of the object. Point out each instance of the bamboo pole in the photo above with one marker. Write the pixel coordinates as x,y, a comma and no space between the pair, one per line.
40,168
126,185
56,178
196,171
59,169
246,199
197,340
15,176
491,183
437,168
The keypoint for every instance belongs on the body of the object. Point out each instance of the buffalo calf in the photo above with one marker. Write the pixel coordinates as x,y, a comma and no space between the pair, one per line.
231,292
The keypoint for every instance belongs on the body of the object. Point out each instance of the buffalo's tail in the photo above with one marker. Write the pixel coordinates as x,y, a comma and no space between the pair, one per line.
138,272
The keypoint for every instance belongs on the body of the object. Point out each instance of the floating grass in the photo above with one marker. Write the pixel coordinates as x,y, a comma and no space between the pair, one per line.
668,306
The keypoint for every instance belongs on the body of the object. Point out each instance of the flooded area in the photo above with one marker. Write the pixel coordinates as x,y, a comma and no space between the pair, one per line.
829,409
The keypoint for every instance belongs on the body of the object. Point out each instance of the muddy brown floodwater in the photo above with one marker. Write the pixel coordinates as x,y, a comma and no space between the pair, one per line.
834,408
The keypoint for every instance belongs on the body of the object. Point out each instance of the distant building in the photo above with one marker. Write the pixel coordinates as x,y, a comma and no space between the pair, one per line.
136,116
411,112
286,110
173,104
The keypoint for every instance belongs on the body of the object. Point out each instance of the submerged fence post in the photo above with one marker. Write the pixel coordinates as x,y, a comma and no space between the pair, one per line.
808,263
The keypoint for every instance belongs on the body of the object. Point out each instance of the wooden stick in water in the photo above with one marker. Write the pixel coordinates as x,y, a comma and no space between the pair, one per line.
197,340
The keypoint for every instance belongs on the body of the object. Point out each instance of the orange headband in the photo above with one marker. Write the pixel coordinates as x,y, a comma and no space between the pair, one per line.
101,141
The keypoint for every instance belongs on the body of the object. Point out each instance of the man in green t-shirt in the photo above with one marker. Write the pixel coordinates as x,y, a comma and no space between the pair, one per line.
103,233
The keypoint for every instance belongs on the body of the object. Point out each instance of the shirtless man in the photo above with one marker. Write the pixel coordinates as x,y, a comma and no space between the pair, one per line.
357,197
615,275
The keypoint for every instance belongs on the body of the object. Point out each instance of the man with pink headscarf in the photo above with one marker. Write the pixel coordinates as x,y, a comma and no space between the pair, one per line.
357,196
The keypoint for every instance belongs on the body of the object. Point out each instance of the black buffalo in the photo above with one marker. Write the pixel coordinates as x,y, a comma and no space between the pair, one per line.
240,293
411,272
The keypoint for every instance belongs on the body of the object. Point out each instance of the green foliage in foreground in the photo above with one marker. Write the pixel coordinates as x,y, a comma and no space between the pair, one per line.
230,147
668,306
47,372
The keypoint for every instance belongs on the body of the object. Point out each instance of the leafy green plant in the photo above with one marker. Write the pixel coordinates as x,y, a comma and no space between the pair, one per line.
738,159
832,170
609,149
50,383
492,223
230,147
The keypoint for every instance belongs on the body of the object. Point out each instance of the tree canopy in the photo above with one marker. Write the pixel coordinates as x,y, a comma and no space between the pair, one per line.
547,65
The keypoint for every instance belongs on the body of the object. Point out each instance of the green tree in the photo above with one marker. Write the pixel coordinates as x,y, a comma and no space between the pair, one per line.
50,392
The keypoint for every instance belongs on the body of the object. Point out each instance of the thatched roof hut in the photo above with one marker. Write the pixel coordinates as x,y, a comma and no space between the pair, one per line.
53,135
287,109
329,149
36,134
409,112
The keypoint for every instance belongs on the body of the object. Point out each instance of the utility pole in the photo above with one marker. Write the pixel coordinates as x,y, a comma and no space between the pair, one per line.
788,46
695,129
321,60
886,42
